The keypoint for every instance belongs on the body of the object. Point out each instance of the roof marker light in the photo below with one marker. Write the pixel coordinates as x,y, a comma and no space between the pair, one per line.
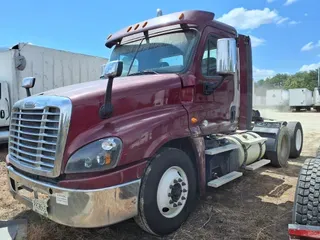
109,36
145,24
136,27
181,16
129,29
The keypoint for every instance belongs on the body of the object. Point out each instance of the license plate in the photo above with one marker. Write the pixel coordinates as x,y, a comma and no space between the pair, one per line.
40,206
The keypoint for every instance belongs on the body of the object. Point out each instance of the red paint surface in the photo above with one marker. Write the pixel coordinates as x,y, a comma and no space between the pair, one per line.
311,234
199,149
149,111
244,108
147,114
215,108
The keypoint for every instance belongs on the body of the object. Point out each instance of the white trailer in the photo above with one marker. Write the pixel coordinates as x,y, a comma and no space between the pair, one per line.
259,101
52,68
300,98
277,98
316,98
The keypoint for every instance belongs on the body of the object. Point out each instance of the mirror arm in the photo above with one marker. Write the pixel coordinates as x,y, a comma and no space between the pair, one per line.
28,92
106,109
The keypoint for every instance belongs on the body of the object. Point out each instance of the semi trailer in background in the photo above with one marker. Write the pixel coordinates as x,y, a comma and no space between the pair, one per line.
316,99
51,67
300,98
277,98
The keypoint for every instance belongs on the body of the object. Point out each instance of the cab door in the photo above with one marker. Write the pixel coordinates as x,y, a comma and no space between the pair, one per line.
214,94
5,104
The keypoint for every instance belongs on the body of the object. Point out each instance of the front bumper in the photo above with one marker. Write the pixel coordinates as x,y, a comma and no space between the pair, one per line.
78,208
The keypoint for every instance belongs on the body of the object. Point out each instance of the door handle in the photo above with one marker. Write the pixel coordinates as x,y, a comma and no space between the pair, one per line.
210,86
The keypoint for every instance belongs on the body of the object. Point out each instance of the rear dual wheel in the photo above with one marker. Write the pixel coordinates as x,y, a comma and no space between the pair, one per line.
296,138
289,144
280,155
167,193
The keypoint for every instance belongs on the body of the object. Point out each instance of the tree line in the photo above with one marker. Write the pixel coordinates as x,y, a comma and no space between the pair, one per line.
307,80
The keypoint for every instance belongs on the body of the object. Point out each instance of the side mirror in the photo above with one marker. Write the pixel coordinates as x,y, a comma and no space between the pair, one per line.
28,83
226,56
113,69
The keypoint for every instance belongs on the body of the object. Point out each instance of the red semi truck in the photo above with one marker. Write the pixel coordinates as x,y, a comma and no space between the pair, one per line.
171,115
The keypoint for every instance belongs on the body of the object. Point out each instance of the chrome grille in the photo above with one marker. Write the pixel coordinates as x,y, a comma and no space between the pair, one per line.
34,135
38,135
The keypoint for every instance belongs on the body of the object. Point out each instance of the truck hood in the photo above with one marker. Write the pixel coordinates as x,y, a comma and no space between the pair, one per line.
123,87
136,100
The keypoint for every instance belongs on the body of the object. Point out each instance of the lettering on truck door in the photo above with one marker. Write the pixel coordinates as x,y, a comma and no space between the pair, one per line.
5,104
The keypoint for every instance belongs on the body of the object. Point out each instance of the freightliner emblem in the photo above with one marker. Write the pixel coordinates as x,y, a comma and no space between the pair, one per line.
29,105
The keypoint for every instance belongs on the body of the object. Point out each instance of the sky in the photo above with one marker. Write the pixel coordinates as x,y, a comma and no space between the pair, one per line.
282,33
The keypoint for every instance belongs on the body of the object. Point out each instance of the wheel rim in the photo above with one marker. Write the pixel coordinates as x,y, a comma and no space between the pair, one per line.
172,192
298,139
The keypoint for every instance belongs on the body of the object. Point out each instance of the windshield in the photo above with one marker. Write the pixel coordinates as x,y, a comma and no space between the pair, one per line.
168,53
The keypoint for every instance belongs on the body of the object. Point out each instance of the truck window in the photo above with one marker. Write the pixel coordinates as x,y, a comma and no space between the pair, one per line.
172,61
209,62
166,53
127,63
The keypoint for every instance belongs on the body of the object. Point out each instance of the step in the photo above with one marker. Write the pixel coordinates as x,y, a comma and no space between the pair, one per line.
224,179
258,164
217,150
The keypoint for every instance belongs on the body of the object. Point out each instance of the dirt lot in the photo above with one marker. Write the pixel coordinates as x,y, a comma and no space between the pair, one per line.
256,206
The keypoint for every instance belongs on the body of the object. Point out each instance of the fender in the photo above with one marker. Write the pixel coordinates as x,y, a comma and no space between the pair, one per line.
143,132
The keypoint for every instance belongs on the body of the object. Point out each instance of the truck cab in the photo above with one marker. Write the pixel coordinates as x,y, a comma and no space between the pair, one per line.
171,115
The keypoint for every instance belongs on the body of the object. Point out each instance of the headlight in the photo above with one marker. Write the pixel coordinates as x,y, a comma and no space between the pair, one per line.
97,156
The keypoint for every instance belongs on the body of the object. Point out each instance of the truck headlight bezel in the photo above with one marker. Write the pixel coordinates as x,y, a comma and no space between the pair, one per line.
97,156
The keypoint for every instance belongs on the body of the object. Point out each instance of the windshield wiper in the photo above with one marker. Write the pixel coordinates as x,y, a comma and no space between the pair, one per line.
143,72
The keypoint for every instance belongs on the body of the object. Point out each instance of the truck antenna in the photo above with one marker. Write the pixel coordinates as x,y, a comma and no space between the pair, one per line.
159,12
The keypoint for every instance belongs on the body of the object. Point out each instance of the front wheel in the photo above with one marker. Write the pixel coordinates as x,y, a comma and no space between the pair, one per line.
167,193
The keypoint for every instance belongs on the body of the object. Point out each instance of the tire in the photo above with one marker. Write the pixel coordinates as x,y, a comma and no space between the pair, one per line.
306,210
318,152
150,218
296,139
279,157
318,109
298,109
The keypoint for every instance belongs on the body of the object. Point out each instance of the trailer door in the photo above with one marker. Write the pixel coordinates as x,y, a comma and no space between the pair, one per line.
5,104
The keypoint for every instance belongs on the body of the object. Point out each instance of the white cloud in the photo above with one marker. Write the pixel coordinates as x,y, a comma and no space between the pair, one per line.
309,46
310,67
270,1
294,22
255,42
306,14
282,20
259,74
289,2
245,19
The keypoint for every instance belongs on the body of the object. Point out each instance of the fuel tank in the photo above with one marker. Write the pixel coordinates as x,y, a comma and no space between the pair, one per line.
251,147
